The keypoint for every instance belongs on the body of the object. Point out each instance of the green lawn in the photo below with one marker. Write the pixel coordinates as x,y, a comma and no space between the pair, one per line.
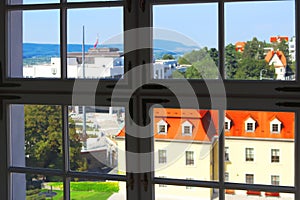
79,190
79,195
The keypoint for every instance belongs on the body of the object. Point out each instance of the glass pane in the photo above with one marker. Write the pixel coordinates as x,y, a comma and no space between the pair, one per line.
259,49
186,46
90,0
32,1
103,43
259,147
100,136
252,195
96,190
171,192
33,44
36,136
188,147
36,186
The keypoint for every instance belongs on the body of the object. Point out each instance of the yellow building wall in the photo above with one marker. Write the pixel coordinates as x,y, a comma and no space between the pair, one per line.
261,167
176,168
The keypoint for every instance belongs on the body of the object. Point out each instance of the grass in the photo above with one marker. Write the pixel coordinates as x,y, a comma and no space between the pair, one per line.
86,190
89,186
86,195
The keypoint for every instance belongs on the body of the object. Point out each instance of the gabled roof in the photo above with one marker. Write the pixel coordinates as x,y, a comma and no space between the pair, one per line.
263,120
205,127
280,55
239,46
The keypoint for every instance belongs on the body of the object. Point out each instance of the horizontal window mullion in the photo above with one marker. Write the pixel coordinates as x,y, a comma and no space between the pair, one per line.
234,103
161,2
183,182
215,184
259,89
72,174
260,187
65,5
47,86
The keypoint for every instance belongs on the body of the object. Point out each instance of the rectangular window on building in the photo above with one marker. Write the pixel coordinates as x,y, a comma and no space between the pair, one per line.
162,156
275,155
189,187
249,127
187,130
275,128
226,176
275,180
249,154
249,178
189,158
162,129
226,126
226,153
162,185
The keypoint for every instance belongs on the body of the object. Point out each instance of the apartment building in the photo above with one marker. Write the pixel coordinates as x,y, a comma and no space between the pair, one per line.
186,140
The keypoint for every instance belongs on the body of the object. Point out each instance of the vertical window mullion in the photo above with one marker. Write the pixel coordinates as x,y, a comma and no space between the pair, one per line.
221,154
221,45
63,40
4,174
297,154
66,156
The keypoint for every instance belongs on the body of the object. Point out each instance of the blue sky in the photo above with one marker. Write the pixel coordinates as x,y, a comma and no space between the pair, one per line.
243,21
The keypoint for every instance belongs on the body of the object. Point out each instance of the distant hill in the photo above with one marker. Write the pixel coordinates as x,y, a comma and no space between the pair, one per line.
43,52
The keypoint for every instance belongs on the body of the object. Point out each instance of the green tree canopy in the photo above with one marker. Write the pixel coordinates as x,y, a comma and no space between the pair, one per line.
43,138
183,61
167,57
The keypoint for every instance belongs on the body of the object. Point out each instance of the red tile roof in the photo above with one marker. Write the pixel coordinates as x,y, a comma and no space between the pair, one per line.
279,38
280,55
262,126
205,124
239,46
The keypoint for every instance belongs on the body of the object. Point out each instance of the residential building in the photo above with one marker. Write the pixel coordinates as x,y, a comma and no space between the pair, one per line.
278,39
254,140
183,141
240,46
278,60
292,48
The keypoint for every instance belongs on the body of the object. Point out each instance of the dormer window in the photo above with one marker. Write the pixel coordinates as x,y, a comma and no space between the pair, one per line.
250,125
227,124
162,127
187,128
275,126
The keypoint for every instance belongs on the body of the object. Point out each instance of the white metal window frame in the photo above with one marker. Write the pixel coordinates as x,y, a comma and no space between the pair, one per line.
275,96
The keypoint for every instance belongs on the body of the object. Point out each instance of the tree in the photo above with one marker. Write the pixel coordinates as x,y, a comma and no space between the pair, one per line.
43,138
183,61
249,69
177,74
192,72
254,49
214,54
231,61
167,57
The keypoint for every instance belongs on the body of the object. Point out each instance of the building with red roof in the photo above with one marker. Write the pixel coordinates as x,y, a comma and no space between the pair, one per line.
186,147
278,39
240,46
278,60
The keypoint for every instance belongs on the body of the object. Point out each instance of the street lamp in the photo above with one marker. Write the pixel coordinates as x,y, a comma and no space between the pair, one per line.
260,73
